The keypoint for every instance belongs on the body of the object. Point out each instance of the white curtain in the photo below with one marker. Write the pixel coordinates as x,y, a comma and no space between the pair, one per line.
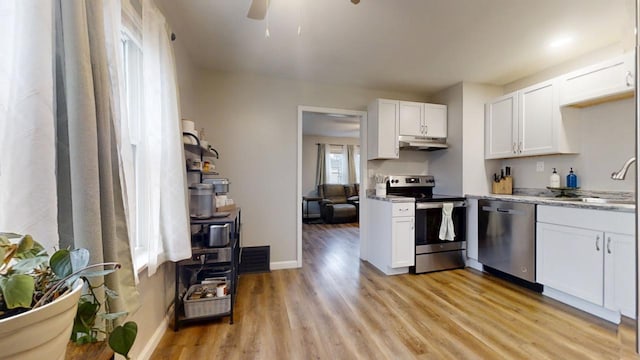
165,210
27,133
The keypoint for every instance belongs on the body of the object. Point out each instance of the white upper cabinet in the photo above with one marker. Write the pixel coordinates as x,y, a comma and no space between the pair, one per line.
411,115
423,120
604,81
383,129
501,127
538,119
527,122
435,120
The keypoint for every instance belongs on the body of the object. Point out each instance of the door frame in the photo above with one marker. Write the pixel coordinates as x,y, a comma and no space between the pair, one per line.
363,174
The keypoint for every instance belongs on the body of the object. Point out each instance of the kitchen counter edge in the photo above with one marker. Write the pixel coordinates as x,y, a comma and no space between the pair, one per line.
392,198
553,202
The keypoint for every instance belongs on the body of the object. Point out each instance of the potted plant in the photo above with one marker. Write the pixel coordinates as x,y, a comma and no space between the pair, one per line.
41,302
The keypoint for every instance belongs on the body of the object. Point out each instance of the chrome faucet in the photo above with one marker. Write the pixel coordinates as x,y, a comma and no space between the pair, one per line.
620,174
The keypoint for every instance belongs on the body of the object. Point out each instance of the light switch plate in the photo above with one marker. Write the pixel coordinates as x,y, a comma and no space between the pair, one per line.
540,166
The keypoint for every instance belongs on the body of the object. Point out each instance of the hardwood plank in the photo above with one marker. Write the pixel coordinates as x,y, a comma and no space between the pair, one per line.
338,307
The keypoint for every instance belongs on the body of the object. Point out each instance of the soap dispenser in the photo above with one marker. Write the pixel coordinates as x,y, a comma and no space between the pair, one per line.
572,179
554,180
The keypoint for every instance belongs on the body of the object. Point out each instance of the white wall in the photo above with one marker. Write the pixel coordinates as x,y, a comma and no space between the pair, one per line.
309,159
461,169
446,165
409,162
252,121
476,172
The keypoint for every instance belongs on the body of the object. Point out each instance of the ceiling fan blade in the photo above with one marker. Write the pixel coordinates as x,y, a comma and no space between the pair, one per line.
258,9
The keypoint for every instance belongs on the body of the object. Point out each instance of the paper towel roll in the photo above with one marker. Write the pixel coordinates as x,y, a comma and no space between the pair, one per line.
188,126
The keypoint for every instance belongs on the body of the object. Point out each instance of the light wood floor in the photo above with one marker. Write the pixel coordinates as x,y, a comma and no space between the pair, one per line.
337,307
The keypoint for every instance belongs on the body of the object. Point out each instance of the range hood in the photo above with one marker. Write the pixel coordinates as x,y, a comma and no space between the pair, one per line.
422,143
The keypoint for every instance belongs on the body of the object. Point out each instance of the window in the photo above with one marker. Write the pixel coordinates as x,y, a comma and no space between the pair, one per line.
132,109
338,166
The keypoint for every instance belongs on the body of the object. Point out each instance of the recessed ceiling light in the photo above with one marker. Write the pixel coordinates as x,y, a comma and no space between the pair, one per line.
560,42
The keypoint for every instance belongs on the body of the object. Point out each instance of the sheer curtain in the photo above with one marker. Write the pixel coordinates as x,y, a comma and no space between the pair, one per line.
27,141
164,209
321,165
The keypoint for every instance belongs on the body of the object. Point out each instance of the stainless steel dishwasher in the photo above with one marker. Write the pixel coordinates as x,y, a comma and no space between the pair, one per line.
507,237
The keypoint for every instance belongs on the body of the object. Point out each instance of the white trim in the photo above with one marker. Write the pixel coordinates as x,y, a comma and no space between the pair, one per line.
281,265
474,264
599,311
363,173
155,339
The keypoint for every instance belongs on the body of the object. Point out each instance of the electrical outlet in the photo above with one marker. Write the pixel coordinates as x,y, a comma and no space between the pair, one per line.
540,166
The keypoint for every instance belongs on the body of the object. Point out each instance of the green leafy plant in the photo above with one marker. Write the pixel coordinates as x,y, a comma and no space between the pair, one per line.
29,278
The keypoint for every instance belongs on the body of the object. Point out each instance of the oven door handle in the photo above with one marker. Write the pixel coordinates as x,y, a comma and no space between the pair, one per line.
438,205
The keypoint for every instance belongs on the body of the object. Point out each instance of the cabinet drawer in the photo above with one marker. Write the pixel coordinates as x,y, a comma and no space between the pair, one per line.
602,220
403,209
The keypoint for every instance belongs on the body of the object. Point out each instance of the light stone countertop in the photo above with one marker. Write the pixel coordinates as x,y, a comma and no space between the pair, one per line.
544,200
392,198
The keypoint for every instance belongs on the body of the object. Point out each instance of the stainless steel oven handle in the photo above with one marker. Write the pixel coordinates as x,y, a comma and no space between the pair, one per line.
438,205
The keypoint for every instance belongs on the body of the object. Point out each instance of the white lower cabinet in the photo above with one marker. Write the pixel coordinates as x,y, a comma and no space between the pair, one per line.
402,251
590,256
619,266
570,260
391,236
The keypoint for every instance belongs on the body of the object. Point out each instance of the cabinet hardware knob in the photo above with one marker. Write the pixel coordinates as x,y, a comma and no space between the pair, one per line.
514,148
609,245
629,78
597,243
520,147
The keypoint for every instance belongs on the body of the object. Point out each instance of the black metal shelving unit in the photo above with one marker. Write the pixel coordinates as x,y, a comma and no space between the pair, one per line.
209,261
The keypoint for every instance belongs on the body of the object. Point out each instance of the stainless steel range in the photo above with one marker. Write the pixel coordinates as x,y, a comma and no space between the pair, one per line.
432,253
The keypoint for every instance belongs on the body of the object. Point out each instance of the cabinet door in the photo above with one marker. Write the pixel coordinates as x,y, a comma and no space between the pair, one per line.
570,260
402,242
619,274
411,115
501,129
435,120
382,129
607,79
538,117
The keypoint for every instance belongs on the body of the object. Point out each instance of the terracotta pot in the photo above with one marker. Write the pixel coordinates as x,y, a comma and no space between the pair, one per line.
42,333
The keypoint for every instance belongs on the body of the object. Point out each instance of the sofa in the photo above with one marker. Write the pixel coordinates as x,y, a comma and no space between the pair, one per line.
338,204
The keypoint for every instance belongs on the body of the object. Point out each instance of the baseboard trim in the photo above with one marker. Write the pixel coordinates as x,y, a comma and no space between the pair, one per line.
281,265
599,311
155,339
474,264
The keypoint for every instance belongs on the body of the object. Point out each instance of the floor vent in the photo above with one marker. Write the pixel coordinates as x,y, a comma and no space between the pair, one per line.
255,259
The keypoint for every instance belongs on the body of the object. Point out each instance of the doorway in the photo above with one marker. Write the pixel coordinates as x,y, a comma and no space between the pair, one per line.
336,129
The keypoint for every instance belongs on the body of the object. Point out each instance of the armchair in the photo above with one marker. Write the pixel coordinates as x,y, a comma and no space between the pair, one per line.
334,207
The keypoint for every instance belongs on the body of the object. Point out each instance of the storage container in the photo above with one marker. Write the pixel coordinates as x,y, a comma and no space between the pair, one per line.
201,201
206,306
220,186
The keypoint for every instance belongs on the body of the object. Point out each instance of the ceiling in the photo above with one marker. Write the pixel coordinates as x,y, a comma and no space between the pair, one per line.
330,125
409,45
